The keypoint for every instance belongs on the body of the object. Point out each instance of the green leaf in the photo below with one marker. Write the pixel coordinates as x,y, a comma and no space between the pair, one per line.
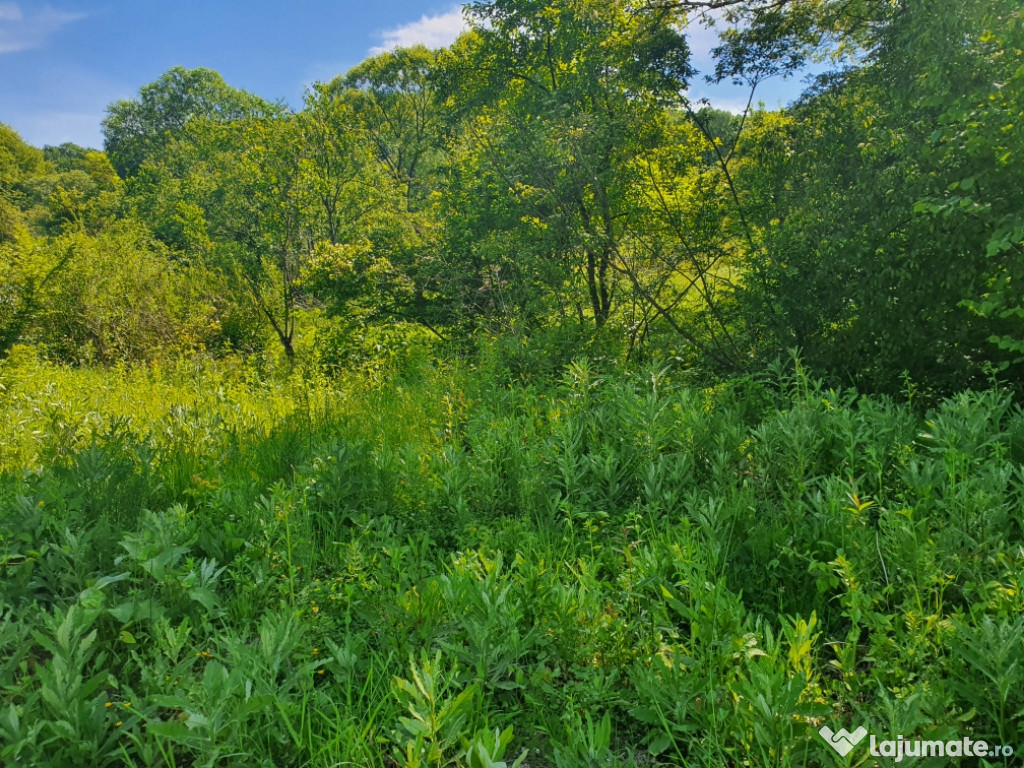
122,612
659,743
997,246
105,580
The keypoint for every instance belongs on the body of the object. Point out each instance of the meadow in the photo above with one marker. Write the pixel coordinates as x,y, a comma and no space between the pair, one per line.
222,563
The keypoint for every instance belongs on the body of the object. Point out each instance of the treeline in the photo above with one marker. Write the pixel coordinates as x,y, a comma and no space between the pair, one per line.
546,181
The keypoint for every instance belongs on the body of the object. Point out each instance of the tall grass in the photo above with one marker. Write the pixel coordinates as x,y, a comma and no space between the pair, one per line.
205,565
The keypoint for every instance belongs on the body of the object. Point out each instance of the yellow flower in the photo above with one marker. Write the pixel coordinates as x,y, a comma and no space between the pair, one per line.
117,724
109,704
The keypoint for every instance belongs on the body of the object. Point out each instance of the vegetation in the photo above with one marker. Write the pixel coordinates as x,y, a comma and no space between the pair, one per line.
502,406
207,567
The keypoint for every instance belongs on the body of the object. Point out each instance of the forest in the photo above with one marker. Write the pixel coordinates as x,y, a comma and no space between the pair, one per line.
505,406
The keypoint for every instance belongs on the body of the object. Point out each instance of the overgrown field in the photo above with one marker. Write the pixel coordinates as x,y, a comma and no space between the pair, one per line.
203,565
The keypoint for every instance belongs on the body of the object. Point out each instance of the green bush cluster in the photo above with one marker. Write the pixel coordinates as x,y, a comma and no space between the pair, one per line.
206,565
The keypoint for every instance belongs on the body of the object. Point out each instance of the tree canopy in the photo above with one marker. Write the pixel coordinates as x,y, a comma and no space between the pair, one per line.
137,130
548,175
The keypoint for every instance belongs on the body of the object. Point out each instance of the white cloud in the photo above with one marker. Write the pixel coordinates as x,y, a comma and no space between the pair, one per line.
21,32
431,31
702,33
702,40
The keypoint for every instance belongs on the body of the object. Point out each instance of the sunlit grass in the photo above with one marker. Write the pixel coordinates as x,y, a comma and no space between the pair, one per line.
222,564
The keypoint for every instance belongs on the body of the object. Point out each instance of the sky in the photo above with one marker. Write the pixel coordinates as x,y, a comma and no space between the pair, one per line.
63,62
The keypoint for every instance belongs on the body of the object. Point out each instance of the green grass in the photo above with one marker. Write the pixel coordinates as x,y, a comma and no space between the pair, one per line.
205,565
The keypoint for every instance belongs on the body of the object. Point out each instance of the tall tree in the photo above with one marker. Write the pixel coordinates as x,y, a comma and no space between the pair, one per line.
395,126
20,166
137,130
888,195
393,97
260,211
567,93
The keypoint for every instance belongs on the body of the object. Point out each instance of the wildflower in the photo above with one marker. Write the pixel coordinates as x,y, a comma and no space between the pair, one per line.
118,724
109,704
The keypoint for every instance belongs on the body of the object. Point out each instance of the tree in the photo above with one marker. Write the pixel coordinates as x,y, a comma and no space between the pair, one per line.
386,265
27,264
567,93
20,165
884,201
66,156
84,197
979,145
346,187
28,268
137,130
258,211
392,97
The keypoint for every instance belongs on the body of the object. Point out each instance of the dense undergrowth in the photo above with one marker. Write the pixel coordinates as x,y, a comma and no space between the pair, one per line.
203,565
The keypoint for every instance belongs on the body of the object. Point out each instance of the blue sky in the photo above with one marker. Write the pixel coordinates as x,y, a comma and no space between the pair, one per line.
63,62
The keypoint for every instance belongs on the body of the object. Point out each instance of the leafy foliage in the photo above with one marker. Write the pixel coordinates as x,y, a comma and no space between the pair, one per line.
441,422
137,130
619,567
